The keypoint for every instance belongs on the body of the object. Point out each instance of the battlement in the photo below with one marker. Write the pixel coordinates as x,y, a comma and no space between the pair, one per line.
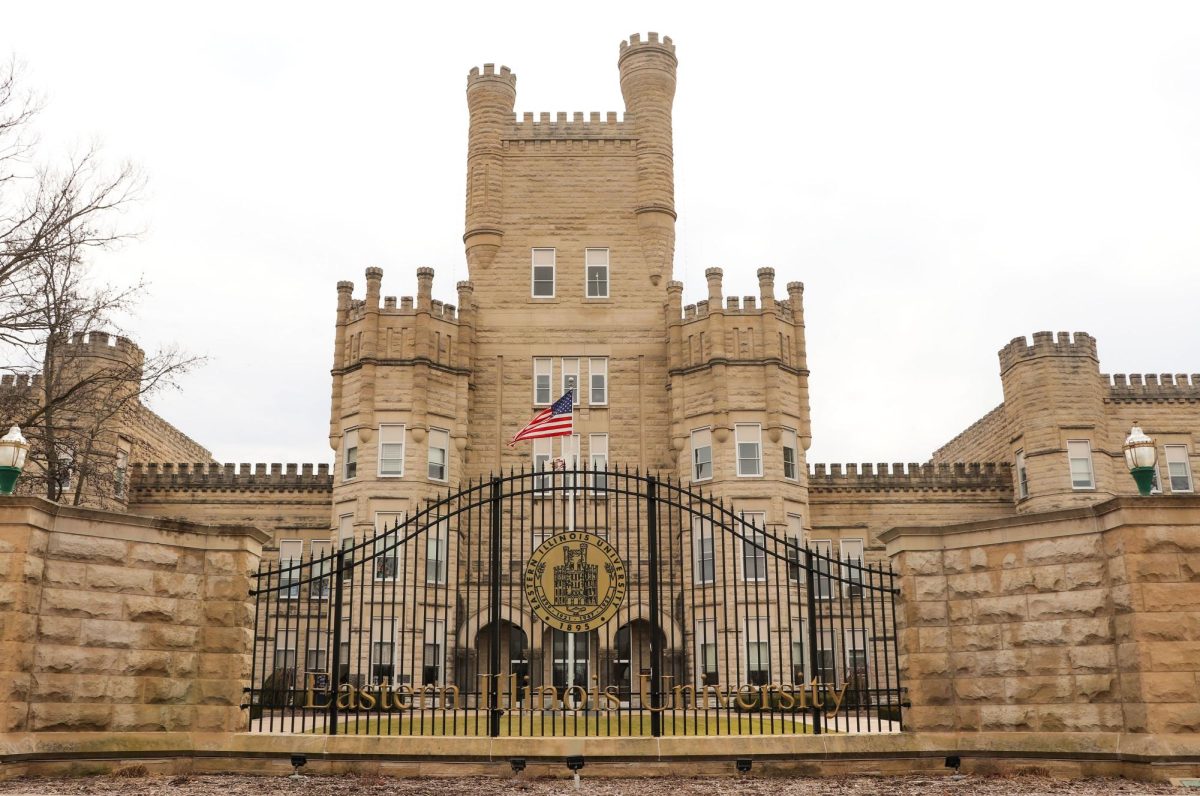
1046,345
20,382
989,477
489,74
595,126
213,476
764,302
635,44
1153,386
407,305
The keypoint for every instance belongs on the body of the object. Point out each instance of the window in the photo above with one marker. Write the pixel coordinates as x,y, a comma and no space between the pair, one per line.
758,651
439,449
542,376
701,454
852,561
350,456
789,454
386,562
1079,452
570,377
856,657
799,640
345,531
383,651
543,273
571,654
285,651
569,449
795,548
437,541
434,658
318,589
1179,470
702,544
823,583
754,546
706,652
314,658
597,272
598,448
826,656
121,468
749,449
543,449
391,450
1022,477
598,373
291,554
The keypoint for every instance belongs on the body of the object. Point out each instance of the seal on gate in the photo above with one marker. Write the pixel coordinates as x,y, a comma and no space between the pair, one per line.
575,581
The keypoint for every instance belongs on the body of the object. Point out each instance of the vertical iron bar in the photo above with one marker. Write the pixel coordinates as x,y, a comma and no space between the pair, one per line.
810,583
655,629
340,564
494,611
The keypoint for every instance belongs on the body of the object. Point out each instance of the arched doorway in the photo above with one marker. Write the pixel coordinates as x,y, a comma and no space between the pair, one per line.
631,658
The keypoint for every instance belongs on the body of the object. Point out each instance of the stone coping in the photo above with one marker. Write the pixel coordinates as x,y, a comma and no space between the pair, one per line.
1119,747
1097,518
88,522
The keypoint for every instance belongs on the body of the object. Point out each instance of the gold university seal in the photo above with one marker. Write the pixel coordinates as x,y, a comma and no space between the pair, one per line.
575,581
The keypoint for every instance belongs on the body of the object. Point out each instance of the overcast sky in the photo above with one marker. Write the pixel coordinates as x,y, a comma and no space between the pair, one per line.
941,176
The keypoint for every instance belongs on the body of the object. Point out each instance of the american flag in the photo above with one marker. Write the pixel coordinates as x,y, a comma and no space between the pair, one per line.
556,421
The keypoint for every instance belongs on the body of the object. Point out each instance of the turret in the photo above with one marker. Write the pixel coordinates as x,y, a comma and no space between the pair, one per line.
648,86
491,96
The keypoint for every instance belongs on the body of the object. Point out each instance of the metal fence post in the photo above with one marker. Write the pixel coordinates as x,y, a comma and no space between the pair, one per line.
655,625
339,571
494,615
810,584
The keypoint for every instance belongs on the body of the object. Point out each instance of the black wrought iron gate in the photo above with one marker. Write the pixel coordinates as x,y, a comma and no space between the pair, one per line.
684,615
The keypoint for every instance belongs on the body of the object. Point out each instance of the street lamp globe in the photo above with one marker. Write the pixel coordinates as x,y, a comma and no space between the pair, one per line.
1141,456
13,449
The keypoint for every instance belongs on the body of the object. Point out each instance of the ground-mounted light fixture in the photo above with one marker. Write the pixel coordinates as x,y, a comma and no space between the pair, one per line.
954,762
13,449
298,762
518,764
744,764
1141,456
575,763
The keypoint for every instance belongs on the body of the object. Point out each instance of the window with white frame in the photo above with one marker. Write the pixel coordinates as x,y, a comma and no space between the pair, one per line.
795,548
748,437
350,456
704,553
1179,469
391,450
345,531
598,380
598,462
436,552
383,651
1079,454
754,546
706,652
597,272
790,455
291,554
569,449
799,642
543,451
852,561
570,376
439,454
386,562
826,656
433,659
318,589
315,654
702,454
856,656
758,650
285,650
822,582
1022,477
543,376
543,273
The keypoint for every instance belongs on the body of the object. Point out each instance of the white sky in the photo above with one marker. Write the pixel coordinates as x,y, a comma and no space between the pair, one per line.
942,176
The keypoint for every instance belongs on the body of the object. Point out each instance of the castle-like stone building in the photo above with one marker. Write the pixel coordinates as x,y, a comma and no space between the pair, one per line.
569,240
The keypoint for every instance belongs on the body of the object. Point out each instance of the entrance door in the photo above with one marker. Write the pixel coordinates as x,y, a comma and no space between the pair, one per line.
570,652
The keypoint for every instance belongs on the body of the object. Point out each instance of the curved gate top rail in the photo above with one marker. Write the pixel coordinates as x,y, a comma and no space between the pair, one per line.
577,602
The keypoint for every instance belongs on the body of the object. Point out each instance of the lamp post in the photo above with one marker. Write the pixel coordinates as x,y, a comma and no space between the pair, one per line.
13,449
1141,455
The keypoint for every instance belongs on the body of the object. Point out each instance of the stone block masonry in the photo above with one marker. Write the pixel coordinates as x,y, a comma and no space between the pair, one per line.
117,623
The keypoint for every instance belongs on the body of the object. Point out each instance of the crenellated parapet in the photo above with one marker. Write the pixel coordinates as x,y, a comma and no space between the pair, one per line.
990,477
1045,344
570,127
1151,387
214,476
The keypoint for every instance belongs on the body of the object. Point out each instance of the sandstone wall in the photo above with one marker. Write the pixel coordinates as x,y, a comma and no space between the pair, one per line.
1081,620
117,623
